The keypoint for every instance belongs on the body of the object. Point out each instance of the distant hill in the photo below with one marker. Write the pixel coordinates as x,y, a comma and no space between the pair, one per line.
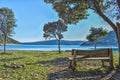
9,40
109,40
12,41
54,42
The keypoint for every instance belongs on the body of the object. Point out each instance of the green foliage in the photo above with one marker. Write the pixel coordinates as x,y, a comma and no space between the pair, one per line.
54,30
7,21
96,33
71,11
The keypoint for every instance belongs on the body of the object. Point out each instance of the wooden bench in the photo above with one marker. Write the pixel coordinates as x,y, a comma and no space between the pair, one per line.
103,55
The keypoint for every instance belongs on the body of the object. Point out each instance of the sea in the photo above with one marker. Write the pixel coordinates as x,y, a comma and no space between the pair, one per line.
51,47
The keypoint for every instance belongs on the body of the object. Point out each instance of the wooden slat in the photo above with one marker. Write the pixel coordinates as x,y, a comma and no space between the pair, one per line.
91,58
93,53
97,58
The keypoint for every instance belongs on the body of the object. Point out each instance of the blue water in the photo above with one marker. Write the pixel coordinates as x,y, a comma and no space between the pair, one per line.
50,47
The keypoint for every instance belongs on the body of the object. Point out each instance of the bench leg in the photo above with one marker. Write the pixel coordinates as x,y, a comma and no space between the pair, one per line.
103,63
72,64
111,64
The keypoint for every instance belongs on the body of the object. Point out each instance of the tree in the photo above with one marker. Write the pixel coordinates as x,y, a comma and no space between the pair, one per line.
95,34
7,24
55,30
71,11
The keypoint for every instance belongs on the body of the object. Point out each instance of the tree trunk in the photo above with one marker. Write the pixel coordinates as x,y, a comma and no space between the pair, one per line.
95,45
5,38
118,36
59,46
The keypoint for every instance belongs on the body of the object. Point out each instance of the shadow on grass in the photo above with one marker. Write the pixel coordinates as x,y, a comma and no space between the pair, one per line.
96,74
11,59
115,75
60,71
57,61
6,53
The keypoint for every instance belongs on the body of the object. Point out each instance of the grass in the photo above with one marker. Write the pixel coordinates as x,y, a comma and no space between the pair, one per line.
37,64
34,68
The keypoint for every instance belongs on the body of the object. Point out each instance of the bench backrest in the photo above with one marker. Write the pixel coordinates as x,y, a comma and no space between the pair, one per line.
94,53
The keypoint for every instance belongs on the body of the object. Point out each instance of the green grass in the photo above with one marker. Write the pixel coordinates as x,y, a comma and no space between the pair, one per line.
36,64
115,58
33,70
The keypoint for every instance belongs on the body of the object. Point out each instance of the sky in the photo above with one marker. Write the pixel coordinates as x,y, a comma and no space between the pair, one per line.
31,15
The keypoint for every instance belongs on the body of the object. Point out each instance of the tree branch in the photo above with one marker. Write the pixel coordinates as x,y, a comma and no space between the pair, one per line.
100,13
118,2
55,36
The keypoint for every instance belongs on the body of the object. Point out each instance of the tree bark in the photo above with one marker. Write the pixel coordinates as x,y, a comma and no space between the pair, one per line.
95,45
118,36
118,2
59,46
5,38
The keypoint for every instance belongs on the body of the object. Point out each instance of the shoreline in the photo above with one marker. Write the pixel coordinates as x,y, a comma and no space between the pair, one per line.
51,48
114,51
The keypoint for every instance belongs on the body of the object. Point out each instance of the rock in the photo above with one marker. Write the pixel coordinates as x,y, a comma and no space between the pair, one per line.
14,65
